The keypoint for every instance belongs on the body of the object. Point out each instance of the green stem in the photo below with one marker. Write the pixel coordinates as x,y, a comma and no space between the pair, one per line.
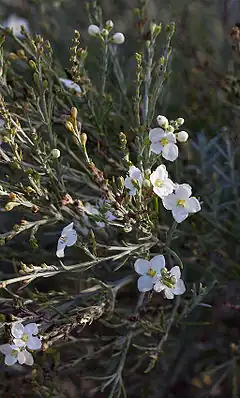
105,67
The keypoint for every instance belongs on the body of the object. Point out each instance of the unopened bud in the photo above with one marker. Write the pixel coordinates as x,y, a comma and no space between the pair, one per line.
32,64
170,129
69,126
104,32
74,112
162,121
180,121
56,153
182,136
118,38
83,138
109,25
93,30
12,56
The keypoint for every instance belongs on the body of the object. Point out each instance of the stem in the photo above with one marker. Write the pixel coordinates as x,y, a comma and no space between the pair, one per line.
105,67
171,233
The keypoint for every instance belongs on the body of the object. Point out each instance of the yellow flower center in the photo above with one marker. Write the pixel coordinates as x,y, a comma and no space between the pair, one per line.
159,183
14,353
181,202
25,337
151,272
164,141
63,239
167,279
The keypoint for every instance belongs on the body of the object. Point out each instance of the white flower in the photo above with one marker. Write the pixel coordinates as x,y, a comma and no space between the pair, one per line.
162,121
14,22
93,30
25,336
68,238
180,121
164,143
55,153
118,38
170,282
70,85
162,185
93,211
133,181
149,271
182,136
181,203
14,354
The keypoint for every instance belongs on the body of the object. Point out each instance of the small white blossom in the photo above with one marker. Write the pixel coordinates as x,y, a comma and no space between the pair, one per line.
14,22
25,336
68,238
70,85
14,354
109,24
162,121
163,143
56,153
182,136
149,271
93,211
134,180
181,203
170,282
180,121
162,185
118,38
93,30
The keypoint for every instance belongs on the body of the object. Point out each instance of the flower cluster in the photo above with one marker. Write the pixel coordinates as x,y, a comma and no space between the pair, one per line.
103,34
154,275
24,338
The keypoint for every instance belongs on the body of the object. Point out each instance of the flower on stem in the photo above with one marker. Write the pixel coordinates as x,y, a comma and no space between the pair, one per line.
68,238
70,85
149,271
181,203
170,282
162,185
134,181
15,23
163,142
14,354
93,30
163,122
25,336
118,38
182,136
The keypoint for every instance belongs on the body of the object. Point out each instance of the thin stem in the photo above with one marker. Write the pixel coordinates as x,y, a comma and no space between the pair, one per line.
105,67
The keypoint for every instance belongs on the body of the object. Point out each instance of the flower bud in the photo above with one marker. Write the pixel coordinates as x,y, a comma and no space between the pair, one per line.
182,136
74,112
83,138
93,30
104,32
180,121
109,25
162,121
170,129
56,153
118,38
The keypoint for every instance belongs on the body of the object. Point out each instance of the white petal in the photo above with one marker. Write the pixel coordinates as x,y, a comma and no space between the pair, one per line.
160,173
100,224
34,343
17,330
21,357
179,288
6,349
145,283
28,358
128,183
180,214
71,238
159,286
67,229
157,263
132,192
170,152
91,210
175,271
193,205
135,173
19,343
168,293
10,360
141,266
71,85
156,147
110,216
169,202
171,138
60,248
183,191
155,135
31,328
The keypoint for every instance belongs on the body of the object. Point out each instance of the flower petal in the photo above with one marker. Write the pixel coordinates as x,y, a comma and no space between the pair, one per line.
179,288
100,224
170,152
168,293
71,238
135,173
34,343
21,357
175,271
31,328
10,360
60,248
156,147
145,283
141,266
183,191
193,205
67,229
28,358
19,343
17,330
180,214
160,172
170,201
157,263
6,349
159,286
132,192
171,138
156,134
128,183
